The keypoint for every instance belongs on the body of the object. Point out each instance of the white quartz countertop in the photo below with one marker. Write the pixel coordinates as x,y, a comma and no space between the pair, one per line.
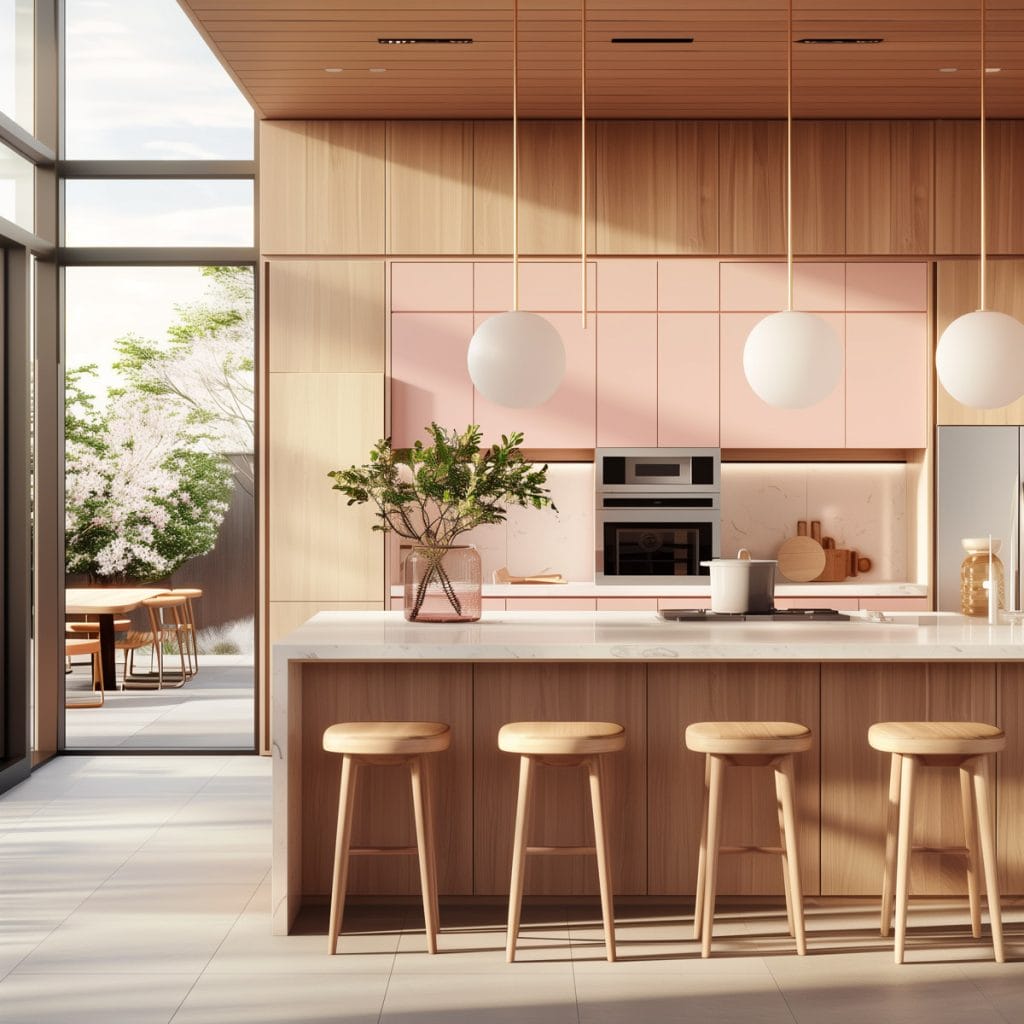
642,636
863,588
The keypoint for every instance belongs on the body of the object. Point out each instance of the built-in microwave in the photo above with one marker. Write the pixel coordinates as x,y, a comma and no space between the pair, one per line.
657,515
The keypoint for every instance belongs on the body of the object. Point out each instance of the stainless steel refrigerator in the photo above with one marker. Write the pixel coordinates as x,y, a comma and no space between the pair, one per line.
978,493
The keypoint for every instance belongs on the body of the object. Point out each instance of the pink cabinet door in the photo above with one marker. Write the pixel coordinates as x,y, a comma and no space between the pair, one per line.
627,376
543,287
568,418
688,285
688,379
747,422
431,287
887,287
624,285
887,380
429,378
759,286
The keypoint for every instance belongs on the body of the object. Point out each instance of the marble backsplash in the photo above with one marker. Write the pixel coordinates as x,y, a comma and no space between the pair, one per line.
862,506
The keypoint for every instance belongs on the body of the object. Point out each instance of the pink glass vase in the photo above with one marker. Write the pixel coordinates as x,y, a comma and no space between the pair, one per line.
442,584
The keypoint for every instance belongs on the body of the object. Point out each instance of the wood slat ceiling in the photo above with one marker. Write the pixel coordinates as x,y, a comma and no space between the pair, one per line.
277,51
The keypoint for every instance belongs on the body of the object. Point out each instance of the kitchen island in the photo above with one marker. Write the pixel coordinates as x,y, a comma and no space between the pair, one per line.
654,677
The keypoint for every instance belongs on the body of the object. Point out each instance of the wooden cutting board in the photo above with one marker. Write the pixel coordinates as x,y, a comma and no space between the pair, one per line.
801,559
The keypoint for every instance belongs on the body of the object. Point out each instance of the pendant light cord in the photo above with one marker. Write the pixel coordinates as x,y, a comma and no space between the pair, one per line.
515,155
983,240
789,157
583,163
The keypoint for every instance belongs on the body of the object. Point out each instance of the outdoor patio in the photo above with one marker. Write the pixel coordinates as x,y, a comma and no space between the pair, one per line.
212,711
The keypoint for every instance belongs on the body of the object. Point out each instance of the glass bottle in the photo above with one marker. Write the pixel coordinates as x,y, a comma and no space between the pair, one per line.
442,584
974,572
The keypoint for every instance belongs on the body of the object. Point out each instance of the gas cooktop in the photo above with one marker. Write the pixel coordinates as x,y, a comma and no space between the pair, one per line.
775,615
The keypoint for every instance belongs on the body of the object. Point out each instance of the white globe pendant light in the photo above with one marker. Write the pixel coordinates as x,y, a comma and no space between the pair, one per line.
792,360
980,356
516,359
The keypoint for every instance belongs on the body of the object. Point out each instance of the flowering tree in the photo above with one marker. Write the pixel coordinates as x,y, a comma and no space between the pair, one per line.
141,494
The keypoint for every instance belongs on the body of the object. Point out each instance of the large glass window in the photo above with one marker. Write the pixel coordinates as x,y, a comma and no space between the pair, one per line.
142,84
17,61
17,188
158,213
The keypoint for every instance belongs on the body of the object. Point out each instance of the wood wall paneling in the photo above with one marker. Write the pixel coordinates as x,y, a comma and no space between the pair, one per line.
889,187
855,778
681,694
320,549
552,692
957,186
1010,776
327,316
322,187
819,188
657,187
430,187
549,188
956,294
752,188
368,692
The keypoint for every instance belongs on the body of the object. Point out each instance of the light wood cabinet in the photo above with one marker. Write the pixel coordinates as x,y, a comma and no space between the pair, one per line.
678,695
855,778
561,809
819,187
748,422
752,188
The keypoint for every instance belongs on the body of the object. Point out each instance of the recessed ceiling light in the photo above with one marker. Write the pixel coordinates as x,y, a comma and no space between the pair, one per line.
992,71
334,71
842,41
652,41
377,71
949,71
411,40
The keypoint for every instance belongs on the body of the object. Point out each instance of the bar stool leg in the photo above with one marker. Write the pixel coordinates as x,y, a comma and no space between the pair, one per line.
717,770
423,847
342,843
785,856
428,811
601,848
892,820
702,856
981,771
903,848
971,842
785,783
515,895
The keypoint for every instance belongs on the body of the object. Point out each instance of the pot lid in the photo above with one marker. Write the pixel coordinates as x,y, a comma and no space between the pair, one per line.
742,561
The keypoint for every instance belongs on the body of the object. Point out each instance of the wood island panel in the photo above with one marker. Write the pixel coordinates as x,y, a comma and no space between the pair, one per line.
679,695
561,801
387,692
855,778
1010,779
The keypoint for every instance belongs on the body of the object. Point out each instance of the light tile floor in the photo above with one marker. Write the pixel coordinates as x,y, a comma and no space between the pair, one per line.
135,890
213,710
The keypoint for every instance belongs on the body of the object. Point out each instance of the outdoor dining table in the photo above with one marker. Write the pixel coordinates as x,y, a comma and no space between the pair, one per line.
103,603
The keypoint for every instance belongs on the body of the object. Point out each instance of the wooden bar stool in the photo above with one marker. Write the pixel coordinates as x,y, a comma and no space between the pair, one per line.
743,744
563,745
969,746
386,743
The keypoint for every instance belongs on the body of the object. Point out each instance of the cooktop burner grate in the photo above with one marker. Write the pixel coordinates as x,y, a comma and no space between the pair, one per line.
775,615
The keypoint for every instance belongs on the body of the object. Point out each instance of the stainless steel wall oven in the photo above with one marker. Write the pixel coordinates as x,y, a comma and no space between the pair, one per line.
658,514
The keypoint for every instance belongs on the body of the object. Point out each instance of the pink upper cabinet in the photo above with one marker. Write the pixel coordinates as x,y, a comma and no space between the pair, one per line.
747,422
887,380
627,285
817,287
689,286
627,375
688,380
885,287
431,287
429,378
568,418
547,287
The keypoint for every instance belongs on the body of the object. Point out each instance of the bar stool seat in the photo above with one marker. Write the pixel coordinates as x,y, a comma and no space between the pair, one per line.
747,744
567,745
970,747
386,743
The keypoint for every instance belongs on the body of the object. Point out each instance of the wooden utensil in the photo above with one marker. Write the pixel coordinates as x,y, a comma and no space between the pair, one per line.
801,559
504,576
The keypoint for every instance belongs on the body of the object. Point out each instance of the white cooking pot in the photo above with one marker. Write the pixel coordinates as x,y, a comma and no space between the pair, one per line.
742,584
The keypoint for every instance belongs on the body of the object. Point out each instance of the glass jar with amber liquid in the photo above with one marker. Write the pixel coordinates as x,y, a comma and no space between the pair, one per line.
974,573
